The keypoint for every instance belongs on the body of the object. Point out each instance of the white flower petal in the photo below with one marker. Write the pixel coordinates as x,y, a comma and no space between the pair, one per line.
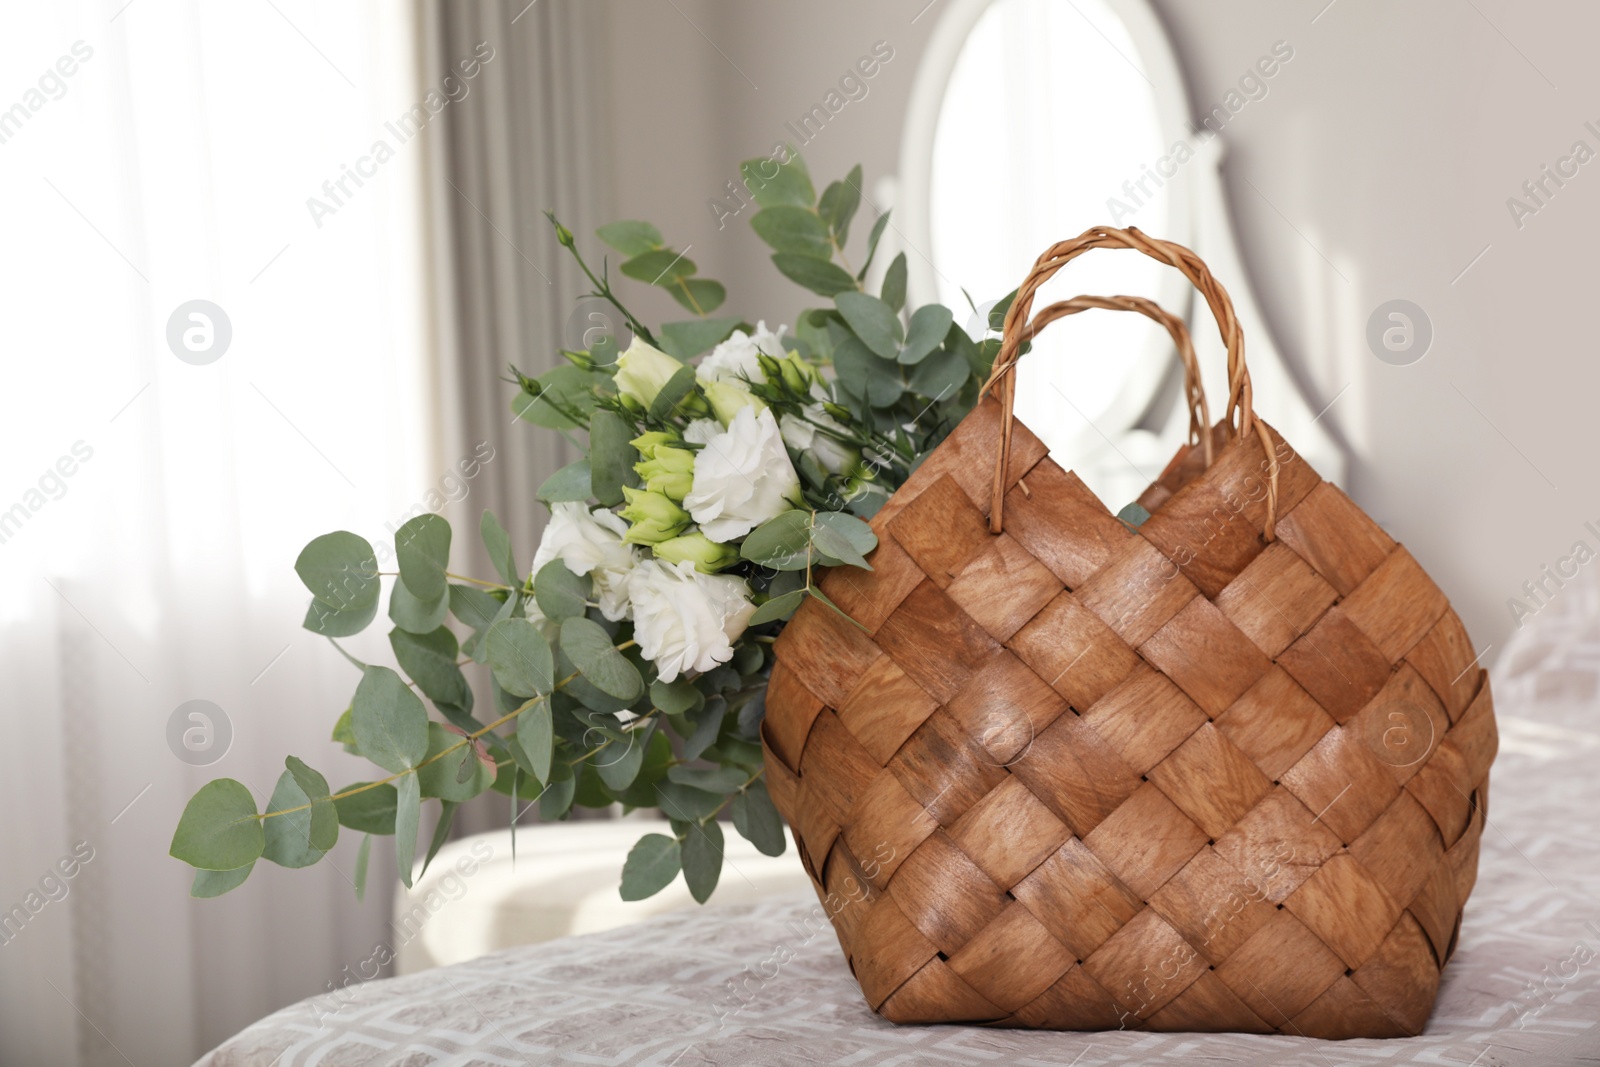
590,542
742,477
685,621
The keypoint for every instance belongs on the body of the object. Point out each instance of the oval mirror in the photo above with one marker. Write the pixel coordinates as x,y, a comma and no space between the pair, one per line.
1028,118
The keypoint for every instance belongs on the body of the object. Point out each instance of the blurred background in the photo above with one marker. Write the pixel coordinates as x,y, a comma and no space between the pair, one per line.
266,263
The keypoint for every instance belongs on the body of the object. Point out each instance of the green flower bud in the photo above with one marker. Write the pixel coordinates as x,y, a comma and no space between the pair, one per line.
798,374
727,399
671,473
653,517
838,411
666,468
707,555
771,366
674,486
642,371
647,443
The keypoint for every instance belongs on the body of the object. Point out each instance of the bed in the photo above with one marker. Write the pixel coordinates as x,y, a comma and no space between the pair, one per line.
764,983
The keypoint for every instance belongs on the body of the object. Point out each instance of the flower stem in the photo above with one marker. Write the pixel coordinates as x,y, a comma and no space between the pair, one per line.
602,288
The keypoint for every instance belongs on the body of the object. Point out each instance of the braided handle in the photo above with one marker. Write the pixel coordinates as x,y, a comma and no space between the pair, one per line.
1018,328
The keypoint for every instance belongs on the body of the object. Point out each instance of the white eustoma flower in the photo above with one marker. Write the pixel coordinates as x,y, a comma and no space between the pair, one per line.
742,477
699,431
806,435
590,542
686,621
734,360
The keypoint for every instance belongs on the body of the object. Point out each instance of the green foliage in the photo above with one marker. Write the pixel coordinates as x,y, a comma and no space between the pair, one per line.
560,593
367,808
685,340
407,816
591,651
430,660
929,326
776,184
783,543
363,854
631,238
219,830
416,616
533,745
800,230
652,262
758,821
838,205
453,771
390,723
308,827
872,243
701,856
659,266
561,399
574,714
818,275
341,571
422,547
894,283
520,658
651,866
569,483
216,883
611,457
498,544
779,608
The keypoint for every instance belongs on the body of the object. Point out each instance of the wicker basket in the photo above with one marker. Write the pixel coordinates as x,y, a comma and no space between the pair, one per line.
1224,771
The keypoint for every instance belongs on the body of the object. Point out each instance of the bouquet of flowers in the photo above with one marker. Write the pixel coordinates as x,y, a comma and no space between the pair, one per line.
725,464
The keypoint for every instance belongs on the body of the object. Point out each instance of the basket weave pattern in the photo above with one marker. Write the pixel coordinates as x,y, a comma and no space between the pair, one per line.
1225,771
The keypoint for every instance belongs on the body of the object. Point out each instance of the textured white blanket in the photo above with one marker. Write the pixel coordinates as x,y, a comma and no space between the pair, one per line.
766,984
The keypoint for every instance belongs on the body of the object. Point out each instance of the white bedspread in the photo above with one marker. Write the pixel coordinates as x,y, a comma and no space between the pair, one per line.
758,985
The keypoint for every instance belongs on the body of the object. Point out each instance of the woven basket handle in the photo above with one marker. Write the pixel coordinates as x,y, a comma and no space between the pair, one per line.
1018,328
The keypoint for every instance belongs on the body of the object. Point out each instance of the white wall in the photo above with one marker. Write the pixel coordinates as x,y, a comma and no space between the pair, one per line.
1377,168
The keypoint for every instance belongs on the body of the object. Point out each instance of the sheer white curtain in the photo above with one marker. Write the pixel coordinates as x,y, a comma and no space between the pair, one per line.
154,153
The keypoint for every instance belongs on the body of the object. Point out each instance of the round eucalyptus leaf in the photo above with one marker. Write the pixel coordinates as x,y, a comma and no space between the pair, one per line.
389,721
422,547
417,616
215,883
560,593
758,821
651,866
701,854
341,570
219,829
591,651
370,811
874,321
520,657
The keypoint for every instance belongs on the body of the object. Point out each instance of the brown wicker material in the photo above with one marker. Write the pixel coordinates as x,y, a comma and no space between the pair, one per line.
1225,771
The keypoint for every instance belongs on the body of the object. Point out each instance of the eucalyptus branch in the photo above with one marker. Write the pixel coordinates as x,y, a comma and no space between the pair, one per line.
442,753
729,798
458,578
631,727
